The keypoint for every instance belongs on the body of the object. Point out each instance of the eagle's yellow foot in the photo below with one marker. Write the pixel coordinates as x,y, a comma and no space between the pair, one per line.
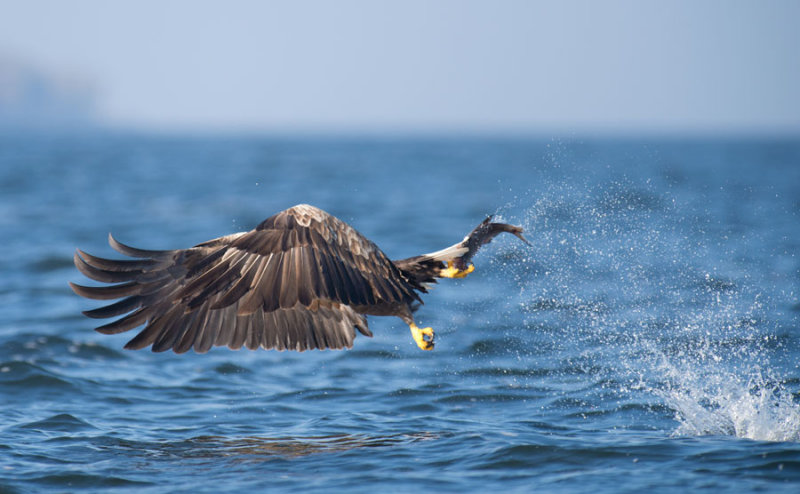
453,272
423,337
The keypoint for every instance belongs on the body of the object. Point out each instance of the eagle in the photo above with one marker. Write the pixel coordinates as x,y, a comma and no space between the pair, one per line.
302,279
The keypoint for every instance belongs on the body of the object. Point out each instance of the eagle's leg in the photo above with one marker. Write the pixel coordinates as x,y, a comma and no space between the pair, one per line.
422,336
451,271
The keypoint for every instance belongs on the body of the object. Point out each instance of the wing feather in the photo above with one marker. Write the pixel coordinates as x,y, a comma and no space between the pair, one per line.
173,328
219,282
186,340
158,328
239,335
241,286
308,276
134,252
197,284
269,290
256,331
207,334
132,320
287,293
225,327
122,307
107,292
98,274
116,265
254,299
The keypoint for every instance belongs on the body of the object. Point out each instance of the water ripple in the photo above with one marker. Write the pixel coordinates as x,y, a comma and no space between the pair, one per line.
645,341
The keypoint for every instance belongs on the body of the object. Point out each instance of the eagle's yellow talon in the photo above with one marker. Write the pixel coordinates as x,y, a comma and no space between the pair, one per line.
453,272
422,336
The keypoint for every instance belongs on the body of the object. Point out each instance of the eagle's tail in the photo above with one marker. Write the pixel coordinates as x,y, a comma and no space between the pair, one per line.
454,261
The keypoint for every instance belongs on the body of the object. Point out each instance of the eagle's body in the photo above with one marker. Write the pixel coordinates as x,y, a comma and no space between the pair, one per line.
301,279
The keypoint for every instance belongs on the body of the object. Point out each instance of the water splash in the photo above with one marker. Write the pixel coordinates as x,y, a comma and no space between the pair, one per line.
634,282
714,401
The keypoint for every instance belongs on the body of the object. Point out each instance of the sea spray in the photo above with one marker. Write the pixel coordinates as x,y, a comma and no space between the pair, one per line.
654,306
709,399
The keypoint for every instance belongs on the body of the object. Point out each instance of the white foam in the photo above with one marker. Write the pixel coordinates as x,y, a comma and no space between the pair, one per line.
719,402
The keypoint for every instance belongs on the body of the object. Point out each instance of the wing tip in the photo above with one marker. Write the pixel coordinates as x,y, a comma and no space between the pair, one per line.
76,288
134,251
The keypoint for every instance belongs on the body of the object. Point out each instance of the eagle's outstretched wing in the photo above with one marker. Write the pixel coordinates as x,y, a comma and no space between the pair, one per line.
292,283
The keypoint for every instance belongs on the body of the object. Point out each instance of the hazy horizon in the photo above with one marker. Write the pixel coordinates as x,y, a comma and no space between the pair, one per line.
575,67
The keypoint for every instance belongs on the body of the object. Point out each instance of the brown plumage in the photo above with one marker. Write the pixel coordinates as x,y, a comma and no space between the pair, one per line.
302,279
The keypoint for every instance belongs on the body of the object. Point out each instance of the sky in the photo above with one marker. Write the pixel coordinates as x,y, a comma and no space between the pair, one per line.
448,65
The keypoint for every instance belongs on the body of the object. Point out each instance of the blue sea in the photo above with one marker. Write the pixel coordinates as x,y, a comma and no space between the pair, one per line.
647,341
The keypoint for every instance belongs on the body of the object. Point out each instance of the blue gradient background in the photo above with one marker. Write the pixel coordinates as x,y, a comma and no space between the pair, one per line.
416,66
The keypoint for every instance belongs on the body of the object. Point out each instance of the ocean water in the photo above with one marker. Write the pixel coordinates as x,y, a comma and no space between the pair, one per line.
648,340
